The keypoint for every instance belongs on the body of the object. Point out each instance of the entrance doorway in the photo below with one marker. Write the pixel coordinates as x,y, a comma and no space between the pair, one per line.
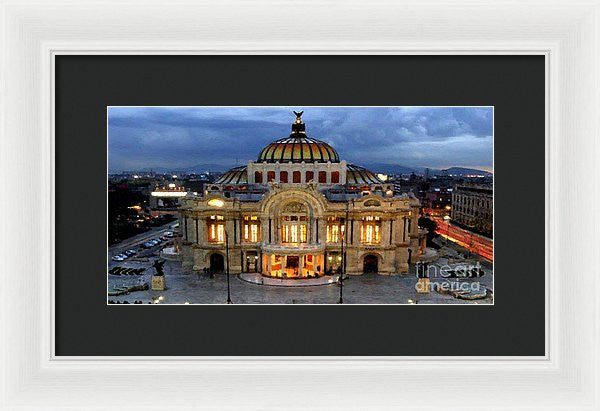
251,262
217,264
370,263
292,264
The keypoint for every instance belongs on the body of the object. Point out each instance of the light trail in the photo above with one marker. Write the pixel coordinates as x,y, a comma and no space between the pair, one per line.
475,243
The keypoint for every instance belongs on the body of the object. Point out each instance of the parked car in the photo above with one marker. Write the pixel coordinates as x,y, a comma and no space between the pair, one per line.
117,258
130,252
169,234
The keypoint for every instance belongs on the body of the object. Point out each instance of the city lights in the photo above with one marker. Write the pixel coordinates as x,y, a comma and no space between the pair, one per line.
168,194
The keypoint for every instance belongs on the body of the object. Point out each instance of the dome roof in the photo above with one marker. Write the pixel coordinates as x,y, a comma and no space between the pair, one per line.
360,175
298,148
237,175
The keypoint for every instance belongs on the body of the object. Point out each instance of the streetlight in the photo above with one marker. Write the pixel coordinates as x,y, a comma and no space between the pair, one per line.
341,301
227,258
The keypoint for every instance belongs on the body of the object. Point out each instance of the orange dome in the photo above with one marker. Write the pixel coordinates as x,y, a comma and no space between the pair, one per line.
298,148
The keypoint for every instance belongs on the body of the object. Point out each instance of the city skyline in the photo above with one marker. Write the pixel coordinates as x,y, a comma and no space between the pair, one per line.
143,138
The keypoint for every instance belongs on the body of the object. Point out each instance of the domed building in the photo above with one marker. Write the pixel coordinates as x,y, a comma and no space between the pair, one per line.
296,212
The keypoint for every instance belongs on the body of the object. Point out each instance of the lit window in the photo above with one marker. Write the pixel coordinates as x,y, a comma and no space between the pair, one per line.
250,228
371,230
216,229
294,230
335,229
283,176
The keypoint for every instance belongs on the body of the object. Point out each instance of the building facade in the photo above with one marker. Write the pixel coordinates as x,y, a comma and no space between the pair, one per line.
473,206
166,199
296,212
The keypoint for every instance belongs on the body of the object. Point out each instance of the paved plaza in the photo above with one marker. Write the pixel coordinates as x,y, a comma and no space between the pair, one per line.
198,288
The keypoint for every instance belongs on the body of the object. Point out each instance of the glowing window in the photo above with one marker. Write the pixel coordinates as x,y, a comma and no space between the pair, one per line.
250,230
283,176
296,176
258,177
310,176
322,177
216,229
335,229
335,177
270,176
371,230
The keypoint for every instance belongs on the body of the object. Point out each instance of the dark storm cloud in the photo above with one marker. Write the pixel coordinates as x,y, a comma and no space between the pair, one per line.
178,137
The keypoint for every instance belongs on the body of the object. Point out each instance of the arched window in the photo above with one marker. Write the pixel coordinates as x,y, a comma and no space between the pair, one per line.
258,177
283,177
310,176
335,177
322,177
296,176
270,176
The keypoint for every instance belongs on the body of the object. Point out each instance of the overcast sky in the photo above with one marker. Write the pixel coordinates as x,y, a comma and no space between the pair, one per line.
141,138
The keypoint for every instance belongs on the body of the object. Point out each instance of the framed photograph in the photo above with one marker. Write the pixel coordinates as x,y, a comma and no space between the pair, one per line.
298,206
296,222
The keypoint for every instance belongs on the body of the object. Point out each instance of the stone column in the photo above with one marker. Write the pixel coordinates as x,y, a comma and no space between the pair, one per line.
385,235
356,233
201,230
269,260
301,264
321,231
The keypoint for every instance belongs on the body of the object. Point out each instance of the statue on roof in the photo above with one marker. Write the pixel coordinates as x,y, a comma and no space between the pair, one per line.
298,126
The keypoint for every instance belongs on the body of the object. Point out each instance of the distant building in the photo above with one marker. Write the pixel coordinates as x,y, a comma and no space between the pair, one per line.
195,185
437,201
473,206
166,199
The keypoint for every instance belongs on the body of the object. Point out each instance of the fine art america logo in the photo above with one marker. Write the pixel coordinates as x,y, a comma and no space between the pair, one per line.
442,273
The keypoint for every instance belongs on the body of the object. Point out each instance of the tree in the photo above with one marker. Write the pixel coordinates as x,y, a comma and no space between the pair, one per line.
431,226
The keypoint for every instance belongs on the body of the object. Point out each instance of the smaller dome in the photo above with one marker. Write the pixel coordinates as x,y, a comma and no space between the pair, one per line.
237,175
360,175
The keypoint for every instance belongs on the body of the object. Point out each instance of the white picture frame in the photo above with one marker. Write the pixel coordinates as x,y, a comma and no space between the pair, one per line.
566,33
